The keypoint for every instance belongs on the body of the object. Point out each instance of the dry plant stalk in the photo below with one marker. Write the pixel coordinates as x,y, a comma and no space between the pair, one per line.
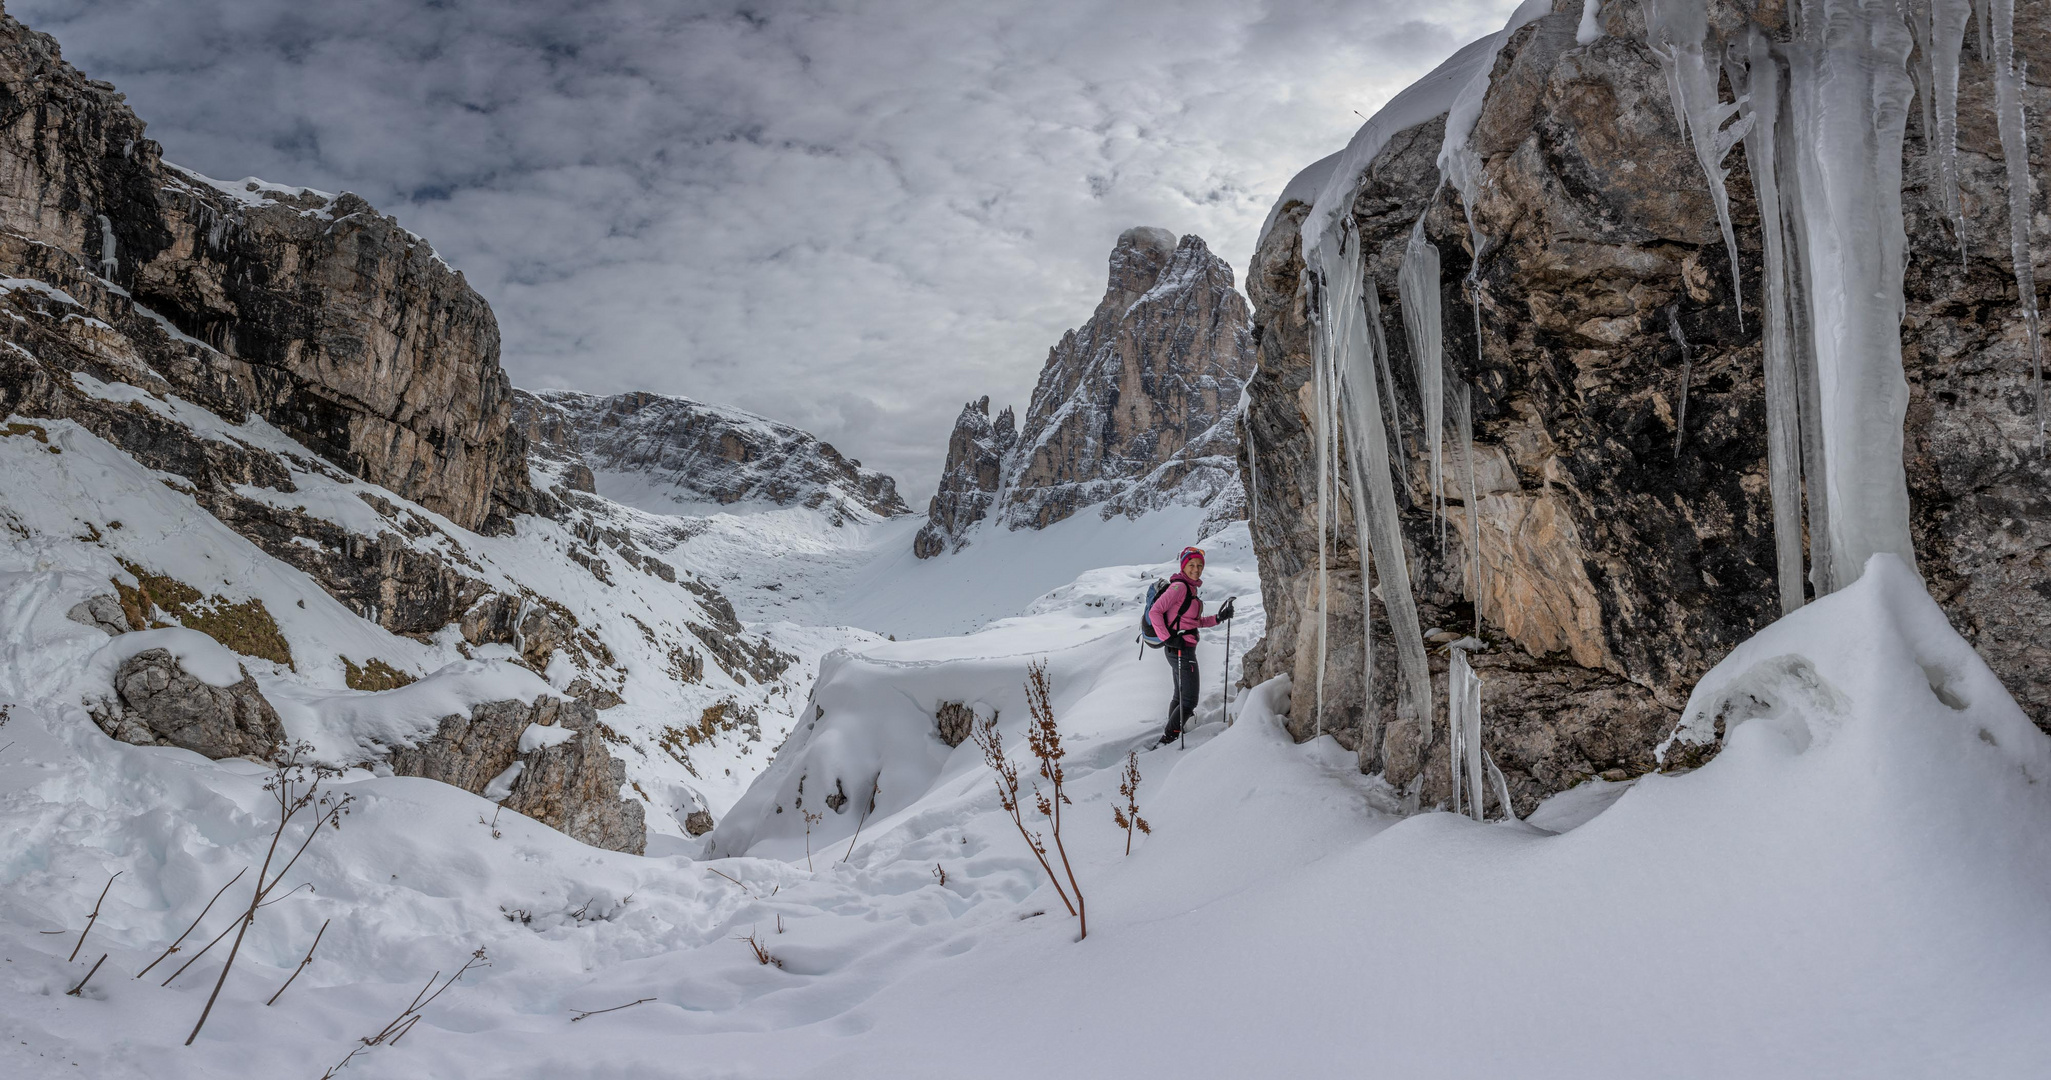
811,818
582,1013
991,742
1044,739
74,991
295,786
1127,816
762,954
93,918
403,1023
875,786
195,925
302,964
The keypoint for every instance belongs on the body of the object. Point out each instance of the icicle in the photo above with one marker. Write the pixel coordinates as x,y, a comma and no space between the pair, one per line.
1677,31
1761,93
1463,716
1673,329
109,263
1463,430
1986,45
2009,72
1417,284
1381,359
1368,449
1502,787
1320,425
1849,96
1947,37
1370,724
1802,336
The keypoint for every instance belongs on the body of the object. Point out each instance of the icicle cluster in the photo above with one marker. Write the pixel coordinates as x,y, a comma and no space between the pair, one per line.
1463,718
1822,117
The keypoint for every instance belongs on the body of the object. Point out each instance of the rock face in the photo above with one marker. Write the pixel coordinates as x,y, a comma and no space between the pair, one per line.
1131,410
310,310
1616,570
162,703
666,454
568,782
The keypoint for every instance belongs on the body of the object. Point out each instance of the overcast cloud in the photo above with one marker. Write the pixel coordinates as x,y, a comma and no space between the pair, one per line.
849,216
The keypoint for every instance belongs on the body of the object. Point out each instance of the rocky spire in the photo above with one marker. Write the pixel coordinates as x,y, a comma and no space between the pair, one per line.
1132,409
975,461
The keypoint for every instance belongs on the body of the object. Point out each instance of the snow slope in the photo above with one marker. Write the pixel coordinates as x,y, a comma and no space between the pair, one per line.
1853,887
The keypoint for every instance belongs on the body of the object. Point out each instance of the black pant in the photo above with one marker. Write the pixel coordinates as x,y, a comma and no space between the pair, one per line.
1182,661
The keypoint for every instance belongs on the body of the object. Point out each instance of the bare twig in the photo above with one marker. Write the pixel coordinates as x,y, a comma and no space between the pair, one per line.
218,938
599,1012
93,918
735,880
295,785
391,1033
73,992
811,819
875,786
762,954
195,924
302,964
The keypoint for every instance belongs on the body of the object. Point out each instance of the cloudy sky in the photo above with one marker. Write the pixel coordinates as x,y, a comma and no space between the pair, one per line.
849,215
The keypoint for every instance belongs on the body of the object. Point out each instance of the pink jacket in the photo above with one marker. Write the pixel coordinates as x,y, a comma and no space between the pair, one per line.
1170,600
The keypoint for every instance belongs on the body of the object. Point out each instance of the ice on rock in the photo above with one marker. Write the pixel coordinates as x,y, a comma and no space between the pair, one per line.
2015,152
1678,31
1348,346
1463,719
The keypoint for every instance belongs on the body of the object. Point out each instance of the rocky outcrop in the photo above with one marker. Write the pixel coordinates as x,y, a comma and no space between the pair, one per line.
1615,569
672,454
974,472
1131,410
310,310
545,760
159,702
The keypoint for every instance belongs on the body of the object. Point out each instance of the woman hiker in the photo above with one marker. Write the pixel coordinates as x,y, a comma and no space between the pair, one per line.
1177,615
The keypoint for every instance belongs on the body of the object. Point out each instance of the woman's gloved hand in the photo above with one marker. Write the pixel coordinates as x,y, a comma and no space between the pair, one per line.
1225,613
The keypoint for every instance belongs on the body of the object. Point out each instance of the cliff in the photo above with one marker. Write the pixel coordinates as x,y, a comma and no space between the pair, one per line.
1619,555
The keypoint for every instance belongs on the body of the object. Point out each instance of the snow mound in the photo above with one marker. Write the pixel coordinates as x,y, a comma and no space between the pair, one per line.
201,656
350,726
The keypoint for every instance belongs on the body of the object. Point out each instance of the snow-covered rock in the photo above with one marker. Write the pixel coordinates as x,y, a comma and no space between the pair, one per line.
1134,411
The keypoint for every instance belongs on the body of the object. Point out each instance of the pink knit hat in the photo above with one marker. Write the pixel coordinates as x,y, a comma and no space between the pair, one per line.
1189,553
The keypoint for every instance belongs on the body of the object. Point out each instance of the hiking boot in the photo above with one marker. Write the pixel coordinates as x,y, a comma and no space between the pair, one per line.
1170,735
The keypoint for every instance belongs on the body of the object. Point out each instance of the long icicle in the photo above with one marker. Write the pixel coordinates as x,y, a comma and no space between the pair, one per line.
1417,286
2015,152
1368,442
1677,32
1947,37
1320,422
1463,430
1761,93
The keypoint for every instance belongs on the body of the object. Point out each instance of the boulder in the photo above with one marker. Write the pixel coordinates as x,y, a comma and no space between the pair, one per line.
545,759
160,702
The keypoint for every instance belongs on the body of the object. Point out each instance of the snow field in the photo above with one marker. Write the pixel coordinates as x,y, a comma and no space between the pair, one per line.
1853,887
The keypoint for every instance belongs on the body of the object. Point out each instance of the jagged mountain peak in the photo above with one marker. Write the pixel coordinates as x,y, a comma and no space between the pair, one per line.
1131,411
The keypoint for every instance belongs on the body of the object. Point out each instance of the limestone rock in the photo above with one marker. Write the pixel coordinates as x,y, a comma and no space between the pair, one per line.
698,822
1615,571
954,721
572,786
161,702
102,612
1132,411
310,310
